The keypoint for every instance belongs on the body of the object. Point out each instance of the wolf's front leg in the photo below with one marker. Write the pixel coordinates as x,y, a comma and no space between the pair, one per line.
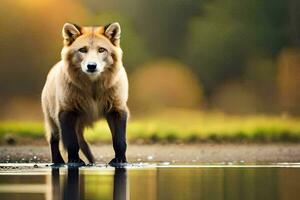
67,120
117,121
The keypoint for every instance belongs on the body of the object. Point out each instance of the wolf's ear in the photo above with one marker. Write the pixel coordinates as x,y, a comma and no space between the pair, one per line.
113,32
70,32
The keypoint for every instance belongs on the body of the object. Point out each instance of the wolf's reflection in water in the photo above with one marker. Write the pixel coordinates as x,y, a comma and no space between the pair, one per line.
73,187
120,184
55,184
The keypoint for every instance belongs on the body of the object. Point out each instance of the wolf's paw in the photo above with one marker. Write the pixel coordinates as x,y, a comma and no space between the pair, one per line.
57,164
75,163
118,162
90,164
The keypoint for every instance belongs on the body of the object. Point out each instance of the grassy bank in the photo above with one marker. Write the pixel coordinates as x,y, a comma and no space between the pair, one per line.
179,126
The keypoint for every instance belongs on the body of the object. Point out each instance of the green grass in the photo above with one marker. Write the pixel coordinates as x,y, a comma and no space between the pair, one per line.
33,130
181,126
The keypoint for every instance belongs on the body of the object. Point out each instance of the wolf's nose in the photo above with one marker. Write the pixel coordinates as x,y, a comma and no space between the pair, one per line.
91,66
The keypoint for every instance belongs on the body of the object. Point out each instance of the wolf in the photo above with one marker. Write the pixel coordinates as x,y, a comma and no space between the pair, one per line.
87,84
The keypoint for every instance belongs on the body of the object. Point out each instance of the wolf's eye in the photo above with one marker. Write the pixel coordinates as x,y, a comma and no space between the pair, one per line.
83,50
101,50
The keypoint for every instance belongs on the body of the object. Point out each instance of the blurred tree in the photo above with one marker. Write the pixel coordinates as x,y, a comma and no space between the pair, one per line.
162,84
163,24
260,74
237,98
289,80
293,28
230,33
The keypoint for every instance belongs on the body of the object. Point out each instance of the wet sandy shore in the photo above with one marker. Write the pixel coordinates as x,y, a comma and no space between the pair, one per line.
198,153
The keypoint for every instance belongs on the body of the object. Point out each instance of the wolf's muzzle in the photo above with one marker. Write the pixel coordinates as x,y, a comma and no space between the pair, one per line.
91,67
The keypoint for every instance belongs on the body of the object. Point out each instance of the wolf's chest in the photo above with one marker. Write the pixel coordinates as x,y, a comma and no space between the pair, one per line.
91,104
93,108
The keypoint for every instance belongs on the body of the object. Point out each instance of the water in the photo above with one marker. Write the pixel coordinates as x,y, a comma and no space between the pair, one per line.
152,182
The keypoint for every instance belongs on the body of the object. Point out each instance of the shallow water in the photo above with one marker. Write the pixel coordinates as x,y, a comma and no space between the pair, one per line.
277,181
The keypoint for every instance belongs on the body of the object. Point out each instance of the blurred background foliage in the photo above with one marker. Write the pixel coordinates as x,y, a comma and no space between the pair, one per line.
233,56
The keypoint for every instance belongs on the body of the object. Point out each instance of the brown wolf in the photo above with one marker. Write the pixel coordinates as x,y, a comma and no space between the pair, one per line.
88,83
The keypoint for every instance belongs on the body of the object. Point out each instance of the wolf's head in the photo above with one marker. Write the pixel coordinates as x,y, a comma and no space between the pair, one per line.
92,51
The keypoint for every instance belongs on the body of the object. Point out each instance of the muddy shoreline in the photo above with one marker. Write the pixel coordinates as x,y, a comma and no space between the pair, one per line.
197,153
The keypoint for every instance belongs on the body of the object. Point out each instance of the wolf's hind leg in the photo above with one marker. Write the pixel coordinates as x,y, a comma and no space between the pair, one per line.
53,138
84,146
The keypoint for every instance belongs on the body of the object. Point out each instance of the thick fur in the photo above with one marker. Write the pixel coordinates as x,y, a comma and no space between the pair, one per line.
73,99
